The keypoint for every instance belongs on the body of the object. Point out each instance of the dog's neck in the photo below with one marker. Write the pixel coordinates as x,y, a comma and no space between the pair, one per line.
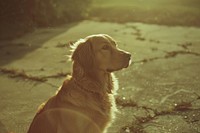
95,81
104,79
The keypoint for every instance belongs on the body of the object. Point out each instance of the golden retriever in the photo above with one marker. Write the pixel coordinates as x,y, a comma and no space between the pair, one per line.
85,102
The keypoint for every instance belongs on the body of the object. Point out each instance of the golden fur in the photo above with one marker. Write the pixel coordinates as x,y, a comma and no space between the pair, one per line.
85,102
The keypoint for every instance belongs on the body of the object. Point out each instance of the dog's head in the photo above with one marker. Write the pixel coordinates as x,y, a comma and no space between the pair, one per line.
100,53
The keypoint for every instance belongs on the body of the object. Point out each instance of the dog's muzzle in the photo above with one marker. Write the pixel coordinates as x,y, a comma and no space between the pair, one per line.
127,57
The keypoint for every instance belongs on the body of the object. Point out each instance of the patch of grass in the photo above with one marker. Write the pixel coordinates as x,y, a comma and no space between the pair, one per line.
13,73
137,125
164,12
125,103
171,54
185,45
61,45
58,75
184,106
133,128
175,53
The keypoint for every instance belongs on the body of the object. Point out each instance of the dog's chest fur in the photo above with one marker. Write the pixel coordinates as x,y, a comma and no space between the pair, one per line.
99,107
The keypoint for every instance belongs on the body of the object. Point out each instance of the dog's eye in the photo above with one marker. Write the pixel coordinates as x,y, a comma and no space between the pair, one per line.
105,47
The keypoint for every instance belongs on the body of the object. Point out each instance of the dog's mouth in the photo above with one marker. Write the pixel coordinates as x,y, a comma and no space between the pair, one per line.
124,66
111,70
129,63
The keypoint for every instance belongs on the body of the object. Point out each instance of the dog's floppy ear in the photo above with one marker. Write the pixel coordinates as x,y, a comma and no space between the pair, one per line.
83,55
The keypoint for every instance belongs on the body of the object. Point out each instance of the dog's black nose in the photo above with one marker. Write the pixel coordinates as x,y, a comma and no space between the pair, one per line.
125,54
128,55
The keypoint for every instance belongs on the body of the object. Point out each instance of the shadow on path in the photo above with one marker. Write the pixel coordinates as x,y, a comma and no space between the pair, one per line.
11,50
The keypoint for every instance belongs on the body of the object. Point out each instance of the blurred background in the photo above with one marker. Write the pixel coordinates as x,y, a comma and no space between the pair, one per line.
25,15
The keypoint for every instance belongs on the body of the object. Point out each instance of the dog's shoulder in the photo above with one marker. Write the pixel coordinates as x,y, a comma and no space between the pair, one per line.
66,82
41,108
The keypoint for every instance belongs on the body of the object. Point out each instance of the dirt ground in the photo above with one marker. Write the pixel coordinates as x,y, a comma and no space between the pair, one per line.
159,92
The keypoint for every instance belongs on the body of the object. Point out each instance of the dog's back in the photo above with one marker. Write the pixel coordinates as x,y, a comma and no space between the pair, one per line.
71,111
